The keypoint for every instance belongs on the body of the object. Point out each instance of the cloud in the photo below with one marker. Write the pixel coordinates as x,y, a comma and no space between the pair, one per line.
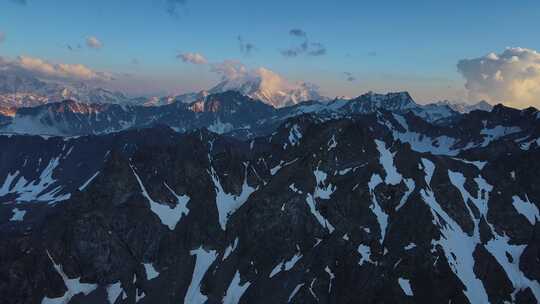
93,42
245,47
512,77
229,69
304,48
2,37
172,7
349,76
193,58
297,33
44,69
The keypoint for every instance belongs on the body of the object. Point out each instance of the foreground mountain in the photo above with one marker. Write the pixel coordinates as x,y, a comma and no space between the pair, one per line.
347,210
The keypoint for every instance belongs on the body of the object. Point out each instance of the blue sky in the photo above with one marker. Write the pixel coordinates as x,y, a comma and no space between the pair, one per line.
385,45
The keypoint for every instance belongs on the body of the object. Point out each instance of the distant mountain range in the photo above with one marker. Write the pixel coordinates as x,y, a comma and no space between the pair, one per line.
21,90
462,107
227,112
26,91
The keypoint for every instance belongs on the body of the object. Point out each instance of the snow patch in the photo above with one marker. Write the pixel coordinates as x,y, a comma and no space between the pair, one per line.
387,161
286,265
295,291
228,203
235,290
295,135
73,286
526,208
365,254
18,215
429,169
203,261
320,218
496,133
167,215
382,217
37,190
230,249
220,128
81,188
410,246
332,143
405,286
113,292
151,272
409,182
322,191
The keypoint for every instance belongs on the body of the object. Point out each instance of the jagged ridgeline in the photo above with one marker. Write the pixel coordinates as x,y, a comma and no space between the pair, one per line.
370,200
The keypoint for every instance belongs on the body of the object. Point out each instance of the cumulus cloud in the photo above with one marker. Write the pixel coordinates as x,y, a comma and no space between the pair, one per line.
44,69
237,73
193,58
245,47
304,48
93,42
511,77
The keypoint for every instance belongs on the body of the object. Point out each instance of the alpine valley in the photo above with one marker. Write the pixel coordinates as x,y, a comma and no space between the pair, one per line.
244,195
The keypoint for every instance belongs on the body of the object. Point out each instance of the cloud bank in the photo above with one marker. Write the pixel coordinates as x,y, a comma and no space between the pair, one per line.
512,77
193,58
43,69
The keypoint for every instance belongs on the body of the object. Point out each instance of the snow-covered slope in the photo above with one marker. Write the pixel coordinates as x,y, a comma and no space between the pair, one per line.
463,107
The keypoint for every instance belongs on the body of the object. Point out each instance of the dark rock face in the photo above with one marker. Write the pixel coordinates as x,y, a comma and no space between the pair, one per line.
319,210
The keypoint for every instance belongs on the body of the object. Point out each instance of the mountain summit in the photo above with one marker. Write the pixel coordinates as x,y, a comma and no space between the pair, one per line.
269,87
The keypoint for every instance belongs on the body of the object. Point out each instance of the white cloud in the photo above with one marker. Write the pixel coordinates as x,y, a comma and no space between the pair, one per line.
512,77
93,42
194,58
44,69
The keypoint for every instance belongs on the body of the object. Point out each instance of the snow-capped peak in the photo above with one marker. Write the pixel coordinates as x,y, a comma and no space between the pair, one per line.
267,86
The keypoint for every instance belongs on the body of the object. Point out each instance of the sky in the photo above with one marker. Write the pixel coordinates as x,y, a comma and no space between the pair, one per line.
457,50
